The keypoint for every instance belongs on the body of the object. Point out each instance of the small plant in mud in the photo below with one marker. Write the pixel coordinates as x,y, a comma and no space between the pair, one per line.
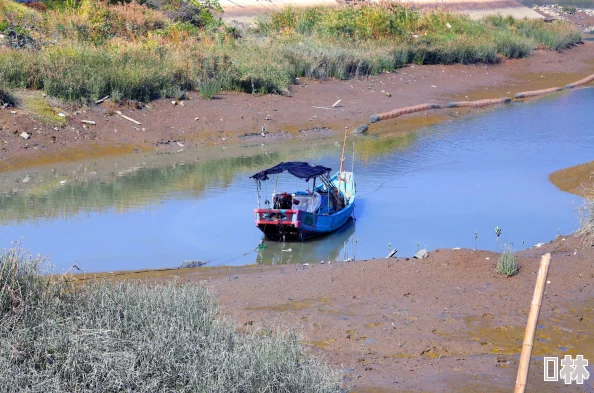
497,234
506,264
586,217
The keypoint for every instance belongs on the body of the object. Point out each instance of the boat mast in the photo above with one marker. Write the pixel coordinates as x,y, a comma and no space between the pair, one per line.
342,163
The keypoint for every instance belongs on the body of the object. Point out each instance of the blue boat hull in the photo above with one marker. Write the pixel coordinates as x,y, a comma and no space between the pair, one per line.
294,224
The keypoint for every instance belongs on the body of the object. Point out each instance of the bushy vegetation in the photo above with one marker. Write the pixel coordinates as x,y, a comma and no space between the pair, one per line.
7,98
506,264
81,50
135,337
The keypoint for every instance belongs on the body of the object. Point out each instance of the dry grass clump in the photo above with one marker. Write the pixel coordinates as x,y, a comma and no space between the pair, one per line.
97,21
586,219
136,337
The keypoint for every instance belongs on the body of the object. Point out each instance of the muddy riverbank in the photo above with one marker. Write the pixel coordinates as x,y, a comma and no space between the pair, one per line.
444,323
235,118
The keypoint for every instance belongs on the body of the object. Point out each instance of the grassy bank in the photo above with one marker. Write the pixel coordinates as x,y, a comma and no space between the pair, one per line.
116,337
81,51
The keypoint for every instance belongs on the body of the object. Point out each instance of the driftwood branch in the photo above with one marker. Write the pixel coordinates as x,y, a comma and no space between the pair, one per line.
128,118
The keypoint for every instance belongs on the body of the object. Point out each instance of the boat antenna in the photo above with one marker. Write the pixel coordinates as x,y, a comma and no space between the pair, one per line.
353,162
258,191
342,161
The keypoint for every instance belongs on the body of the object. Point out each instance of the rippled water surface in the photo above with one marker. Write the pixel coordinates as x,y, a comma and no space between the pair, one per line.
433,190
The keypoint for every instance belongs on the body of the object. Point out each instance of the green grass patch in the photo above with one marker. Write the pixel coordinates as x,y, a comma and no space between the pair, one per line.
133,336
42,111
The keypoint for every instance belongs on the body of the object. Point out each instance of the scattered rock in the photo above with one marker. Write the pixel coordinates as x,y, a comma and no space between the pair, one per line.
174,103
421,254
61,114
25,136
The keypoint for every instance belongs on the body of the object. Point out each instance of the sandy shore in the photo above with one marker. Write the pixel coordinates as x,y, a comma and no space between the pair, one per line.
237,118
577,179
445,323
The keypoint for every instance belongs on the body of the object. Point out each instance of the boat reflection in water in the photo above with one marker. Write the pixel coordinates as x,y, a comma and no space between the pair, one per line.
336,246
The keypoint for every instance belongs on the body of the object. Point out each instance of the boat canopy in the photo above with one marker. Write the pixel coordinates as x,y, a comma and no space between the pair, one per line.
298,169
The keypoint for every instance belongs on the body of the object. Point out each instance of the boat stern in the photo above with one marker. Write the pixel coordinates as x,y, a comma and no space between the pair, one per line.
279,223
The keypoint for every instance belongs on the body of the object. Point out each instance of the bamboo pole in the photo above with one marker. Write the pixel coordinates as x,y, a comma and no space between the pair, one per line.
531,325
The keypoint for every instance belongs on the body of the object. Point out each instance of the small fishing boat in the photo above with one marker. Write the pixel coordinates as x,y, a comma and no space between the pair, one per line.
301,215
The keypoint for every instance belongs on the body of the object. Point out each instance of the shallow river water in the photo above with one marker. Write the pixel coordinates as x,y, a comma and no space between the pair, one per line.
448,186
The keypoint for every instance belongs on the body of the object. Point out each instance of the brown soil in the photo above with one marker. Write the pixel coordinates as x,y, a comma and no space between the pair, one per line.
577,179
236,118
444,323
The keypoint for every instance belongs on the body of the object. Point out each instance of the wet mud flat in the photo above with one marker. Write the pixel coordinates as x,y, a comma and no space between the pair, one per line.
444,323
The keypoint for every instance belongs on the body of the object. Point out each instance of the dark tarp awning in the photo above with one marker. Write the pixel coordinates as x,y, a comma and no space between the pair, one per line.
301,170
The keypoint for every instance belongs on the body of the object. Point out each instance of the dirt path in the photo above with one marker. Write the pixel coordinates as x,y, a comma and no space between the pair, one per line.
236,118
444,323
